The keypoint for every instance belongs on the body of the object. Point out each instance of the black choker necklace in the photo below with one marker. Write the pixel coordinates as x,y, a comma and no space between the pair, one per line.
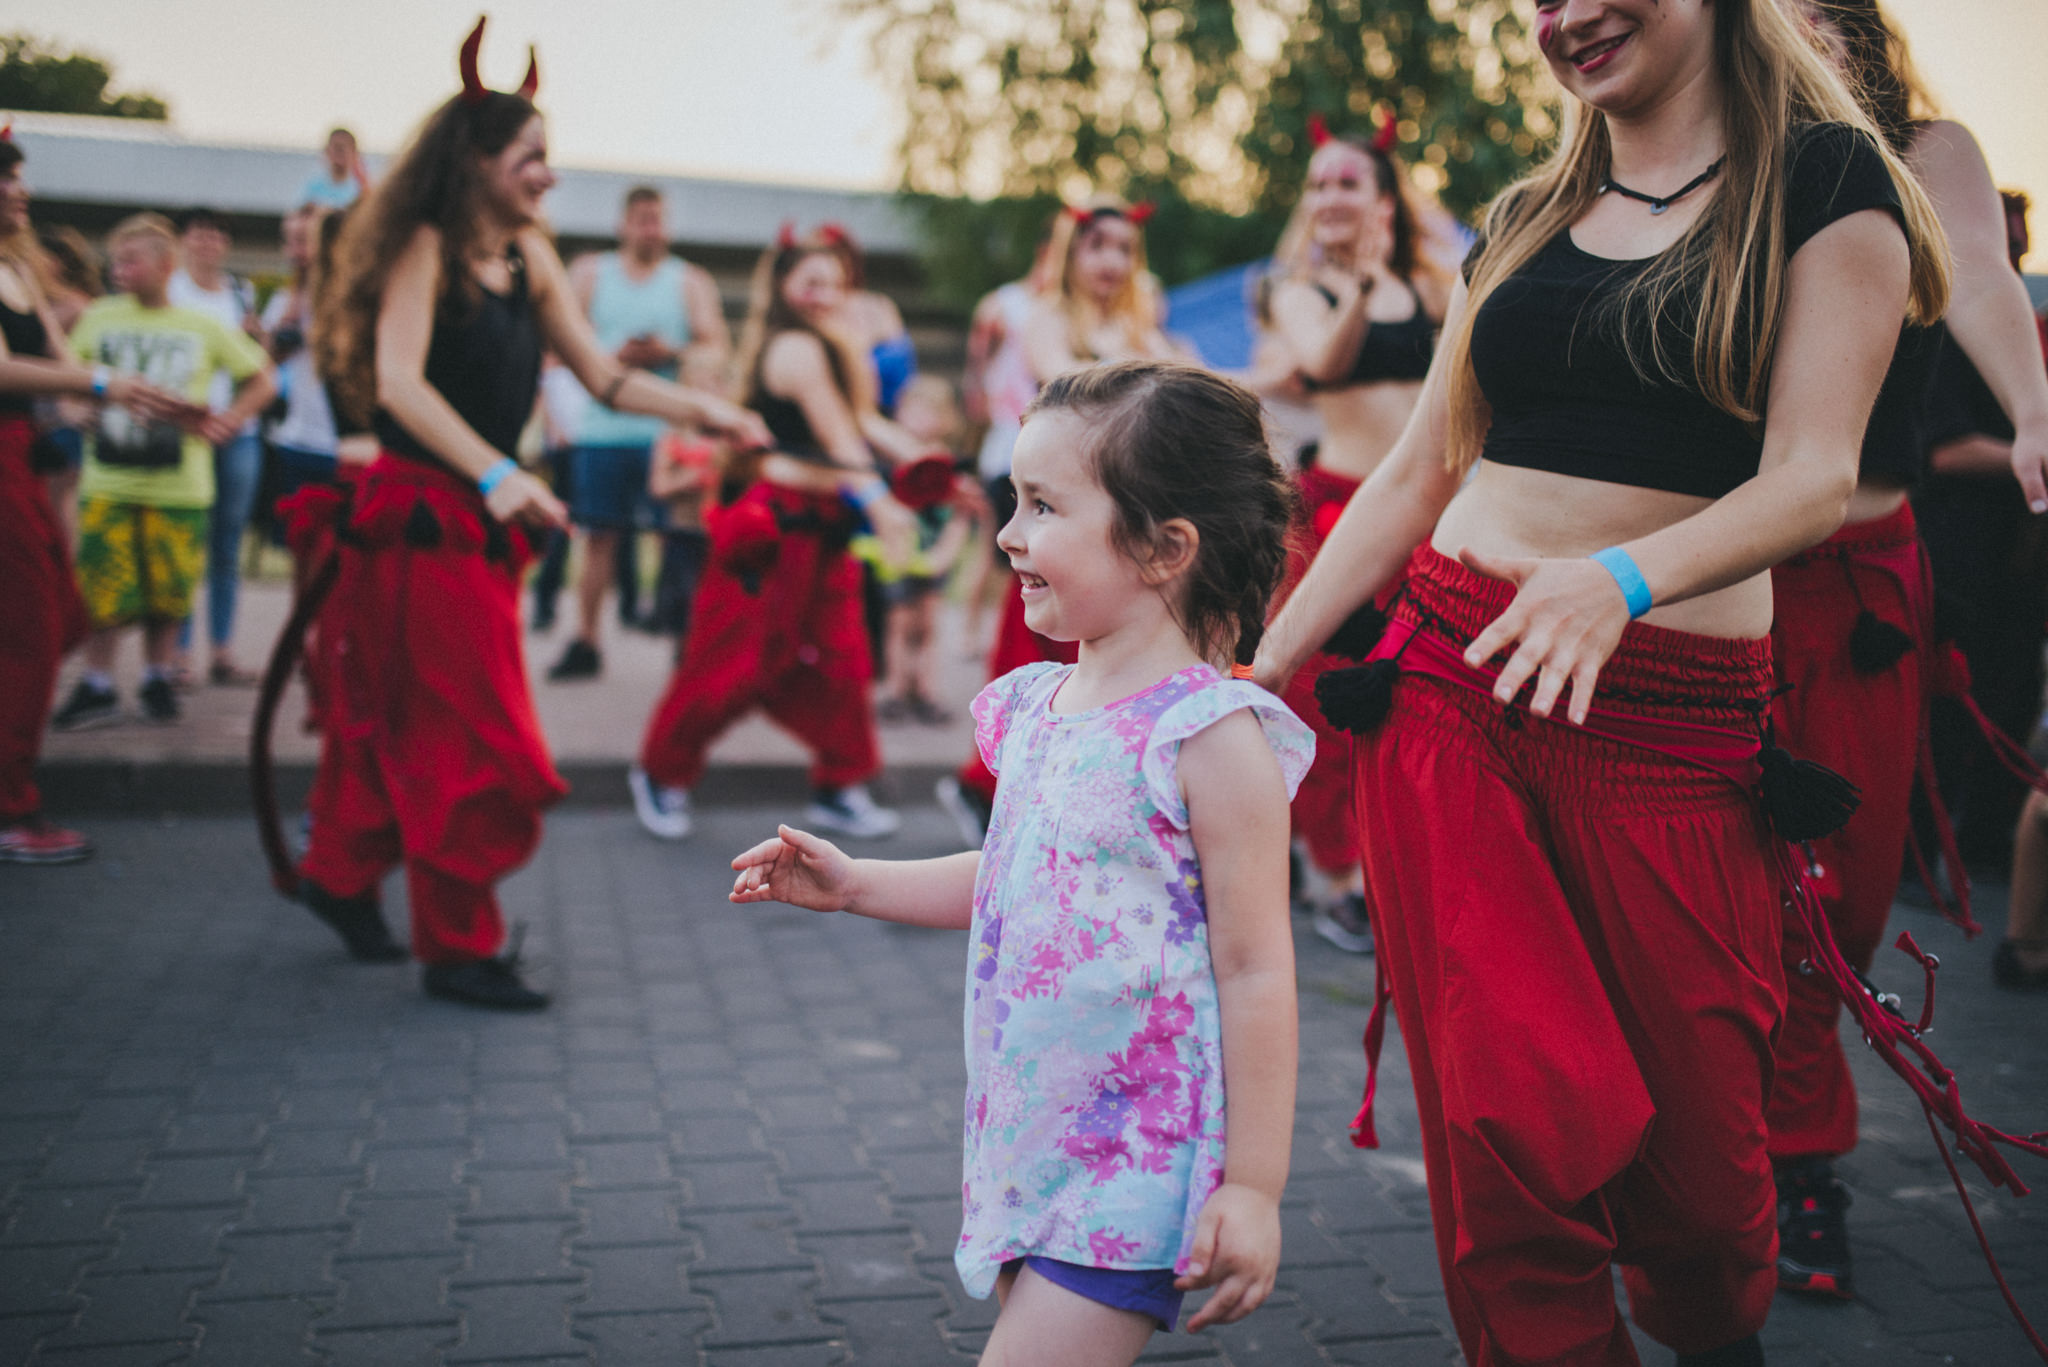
1659,203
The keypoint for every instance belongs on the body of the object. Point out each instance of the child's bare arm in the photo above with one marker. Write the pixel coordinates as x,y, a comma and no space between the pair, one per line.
803,870
1237,813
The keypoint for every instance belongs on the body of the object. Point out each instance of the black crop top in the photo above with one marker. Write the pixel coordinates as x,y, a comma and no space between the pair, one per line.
485,361
1564,393
25,336
1388,351
788,425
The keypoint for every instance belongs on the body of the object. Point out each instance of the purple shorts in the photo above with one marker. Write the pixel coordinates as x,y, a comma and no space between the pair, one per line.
1148,1291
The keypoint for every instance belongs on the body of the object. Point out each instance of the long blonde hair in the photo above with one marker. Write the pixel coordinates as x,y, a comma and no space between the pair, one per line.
1733,257
1135,308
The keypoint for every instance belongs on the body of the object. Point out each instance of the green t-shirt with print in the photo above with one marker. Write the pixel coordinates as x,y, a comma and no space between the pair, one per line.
132,459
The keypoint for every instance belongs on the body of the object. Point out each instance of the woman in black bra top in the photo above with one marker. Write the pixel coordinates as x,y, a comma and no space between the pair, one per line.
446,292
1854,637
778,621
1355,304
1656,379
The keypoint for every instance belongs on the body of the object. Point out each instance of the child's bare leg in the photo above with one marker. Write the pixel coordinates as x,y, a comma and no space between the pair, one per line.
924,664
2026,916
1046,1325
900,682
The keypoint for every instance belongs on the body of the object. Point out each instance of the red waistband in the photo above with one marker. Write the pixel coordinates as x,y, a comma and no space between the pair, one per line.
1655,672
1320,486
392,468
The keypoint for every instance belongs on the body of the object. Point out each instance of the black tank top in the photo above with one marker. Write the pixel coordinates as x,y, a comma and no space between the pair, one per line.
25,336
1389,351
1565,394
485,361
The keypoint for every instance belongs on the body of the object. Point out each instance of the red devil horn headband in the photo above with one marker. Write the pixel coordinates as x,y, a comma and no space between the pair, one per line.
785,236
1318,130
1383,140
1137,214
7,131
473,85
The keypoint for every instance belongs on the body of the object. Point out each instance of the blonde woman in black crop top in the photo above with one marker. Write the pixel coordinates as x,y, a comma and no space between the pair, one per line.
1664,355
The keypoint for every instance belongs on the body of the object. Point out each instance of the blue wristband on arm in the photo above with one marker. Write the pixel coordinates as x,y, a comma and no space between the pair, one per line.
1634,587
496,475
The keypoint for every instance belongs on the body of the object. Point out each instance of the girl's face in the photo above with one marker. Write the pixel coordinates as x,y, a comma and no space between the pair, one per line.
816,287
1077,585
1625,56
1345,206
518,178
13,199
1105,256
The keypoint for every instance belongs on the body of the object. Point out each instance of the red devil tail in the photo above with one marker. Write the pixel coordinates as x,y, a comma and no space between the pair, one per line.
284,657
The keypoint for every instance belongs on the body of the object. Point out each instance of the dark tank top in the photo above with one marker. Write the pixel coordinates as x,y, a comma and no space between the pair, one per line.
1389,351
25,336
484,359
1566,395
1895,443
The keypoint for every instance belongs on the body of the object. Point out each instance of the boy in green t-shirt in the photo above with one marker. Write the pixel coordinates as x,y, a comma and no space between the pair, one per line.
148,484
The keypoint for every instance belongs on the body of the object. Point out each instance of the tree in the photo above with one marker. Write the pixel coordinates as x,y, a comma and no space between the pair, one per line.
40,78
1201,106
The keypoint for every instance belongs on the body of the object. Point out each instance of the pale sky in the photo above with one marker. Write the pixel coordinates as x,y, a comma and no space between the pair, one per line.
767,89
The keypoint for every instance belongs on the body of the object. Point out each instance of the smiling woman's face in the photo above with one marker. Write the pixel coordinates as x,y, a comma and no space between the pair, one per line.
1621,56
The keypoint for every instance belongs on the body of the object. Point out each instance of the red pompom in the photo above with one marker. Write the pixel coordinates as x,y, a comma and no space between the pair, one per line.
744,535
923,483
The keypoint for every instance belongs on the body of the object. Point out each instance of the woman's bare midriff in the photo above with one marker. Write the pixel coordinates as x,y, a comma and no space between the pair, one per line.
1361,423
1516,512
1874,498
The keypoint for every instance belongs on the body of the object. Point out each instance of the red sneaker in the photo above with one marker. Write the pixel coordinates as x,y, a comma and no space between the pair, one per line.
32,840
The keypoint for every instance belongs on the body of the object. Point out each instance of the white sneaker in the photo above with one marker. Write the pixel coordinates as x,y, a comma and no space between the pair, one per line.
665,812
850,811
966,810
1346,924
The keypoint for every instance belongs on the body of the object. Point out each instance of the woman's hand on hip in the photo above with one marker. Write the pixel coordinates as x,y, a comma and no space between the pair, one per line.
1564,623
520,497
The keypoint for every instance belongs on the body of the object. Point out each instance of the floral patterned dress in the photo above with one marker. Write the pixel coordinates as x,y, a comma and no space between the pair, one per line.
1094,1127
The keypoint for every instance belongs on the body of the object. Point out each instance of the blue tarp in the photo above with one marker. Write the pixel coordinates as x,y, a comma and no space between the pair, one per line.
1214,313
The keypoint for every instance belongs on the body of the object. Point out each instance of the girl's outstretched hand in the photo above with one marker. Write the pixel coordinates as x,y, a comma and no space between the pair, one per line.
795,867
1237,1251
1565,621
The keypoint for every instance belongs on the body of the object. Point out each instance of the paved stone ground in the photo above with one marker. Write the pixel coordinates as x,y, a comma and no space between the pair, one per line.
733,1141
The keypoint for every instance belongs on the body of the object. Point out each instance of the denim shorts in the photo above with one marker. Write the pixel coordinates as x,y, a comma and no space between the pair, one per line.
608,488
1148,1291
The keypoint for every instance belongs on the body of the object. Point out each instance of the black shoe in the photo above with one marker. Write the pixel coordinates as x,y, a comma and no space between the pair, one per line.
86,708
2008,971
1748,1352
542,621
492,983
579,661
357,920
1813,1233
159,701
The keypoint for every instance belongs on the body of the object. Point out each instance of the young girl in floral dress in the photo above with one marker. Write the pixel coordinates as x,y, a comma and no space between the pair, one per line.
1129,908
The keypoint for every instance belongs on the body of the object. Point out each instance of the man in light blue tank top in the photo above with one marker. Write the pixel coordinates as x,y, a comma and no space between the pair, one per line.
648,308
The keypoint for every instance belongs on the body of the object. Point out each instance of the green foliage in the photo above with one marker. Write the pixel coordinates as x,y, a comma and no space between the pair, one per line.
40,78
1201,106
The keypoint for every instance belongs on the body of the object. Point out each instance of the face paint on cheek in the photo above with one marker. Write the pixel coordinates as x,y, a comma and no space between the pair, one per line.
1546,31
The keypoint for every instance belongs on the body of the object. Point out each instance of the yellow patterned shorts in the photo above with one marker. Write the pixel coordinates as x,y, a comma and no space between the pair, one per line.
137,563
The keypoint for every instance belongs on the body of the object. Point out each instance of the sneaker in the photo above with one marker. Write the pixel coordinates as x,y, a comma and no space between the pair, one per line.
159,701
357,920
86,708
1813,1235
228,674
850,811
491,983
1346,924
579,661
970,812
665,812
32,840
543,619
925,712
892,711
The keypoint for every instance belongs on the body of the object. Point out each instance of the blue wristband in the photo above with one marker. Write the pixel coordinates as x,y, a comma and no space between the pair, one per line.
1634,587
867,493
496,475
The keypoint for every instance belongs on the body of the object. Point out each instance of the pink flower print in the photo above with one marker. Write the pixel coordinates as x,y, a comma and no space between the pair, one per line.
1107,1247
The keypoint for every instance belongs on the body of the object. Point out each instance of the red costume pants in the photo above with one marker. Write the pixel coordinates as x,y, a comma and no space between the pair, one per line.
41,617
1866,727
1016,645
1582,938
1325,816
778,626
431,754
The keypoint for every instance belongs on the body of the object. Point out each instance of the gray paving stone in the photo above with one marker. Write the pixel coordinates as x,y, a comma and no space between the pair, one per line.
167,1240
261,1266
868,1267
391,1293
420,1226
256,1332
42,1216
761,1309
515,1252
121,1311
746,1241
520,1193
842,1206
642,1340
417,1346
18,1333
908,1332
637,1281
627,1218
641,1164
824,1354
412,1171
516,1324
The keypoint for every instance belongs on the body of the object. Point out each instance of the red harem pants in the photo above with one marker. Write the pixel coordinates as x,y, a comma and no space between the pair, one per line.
41,617
1867,728
1325,815
789,638
1016,645
1582,938
431,754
